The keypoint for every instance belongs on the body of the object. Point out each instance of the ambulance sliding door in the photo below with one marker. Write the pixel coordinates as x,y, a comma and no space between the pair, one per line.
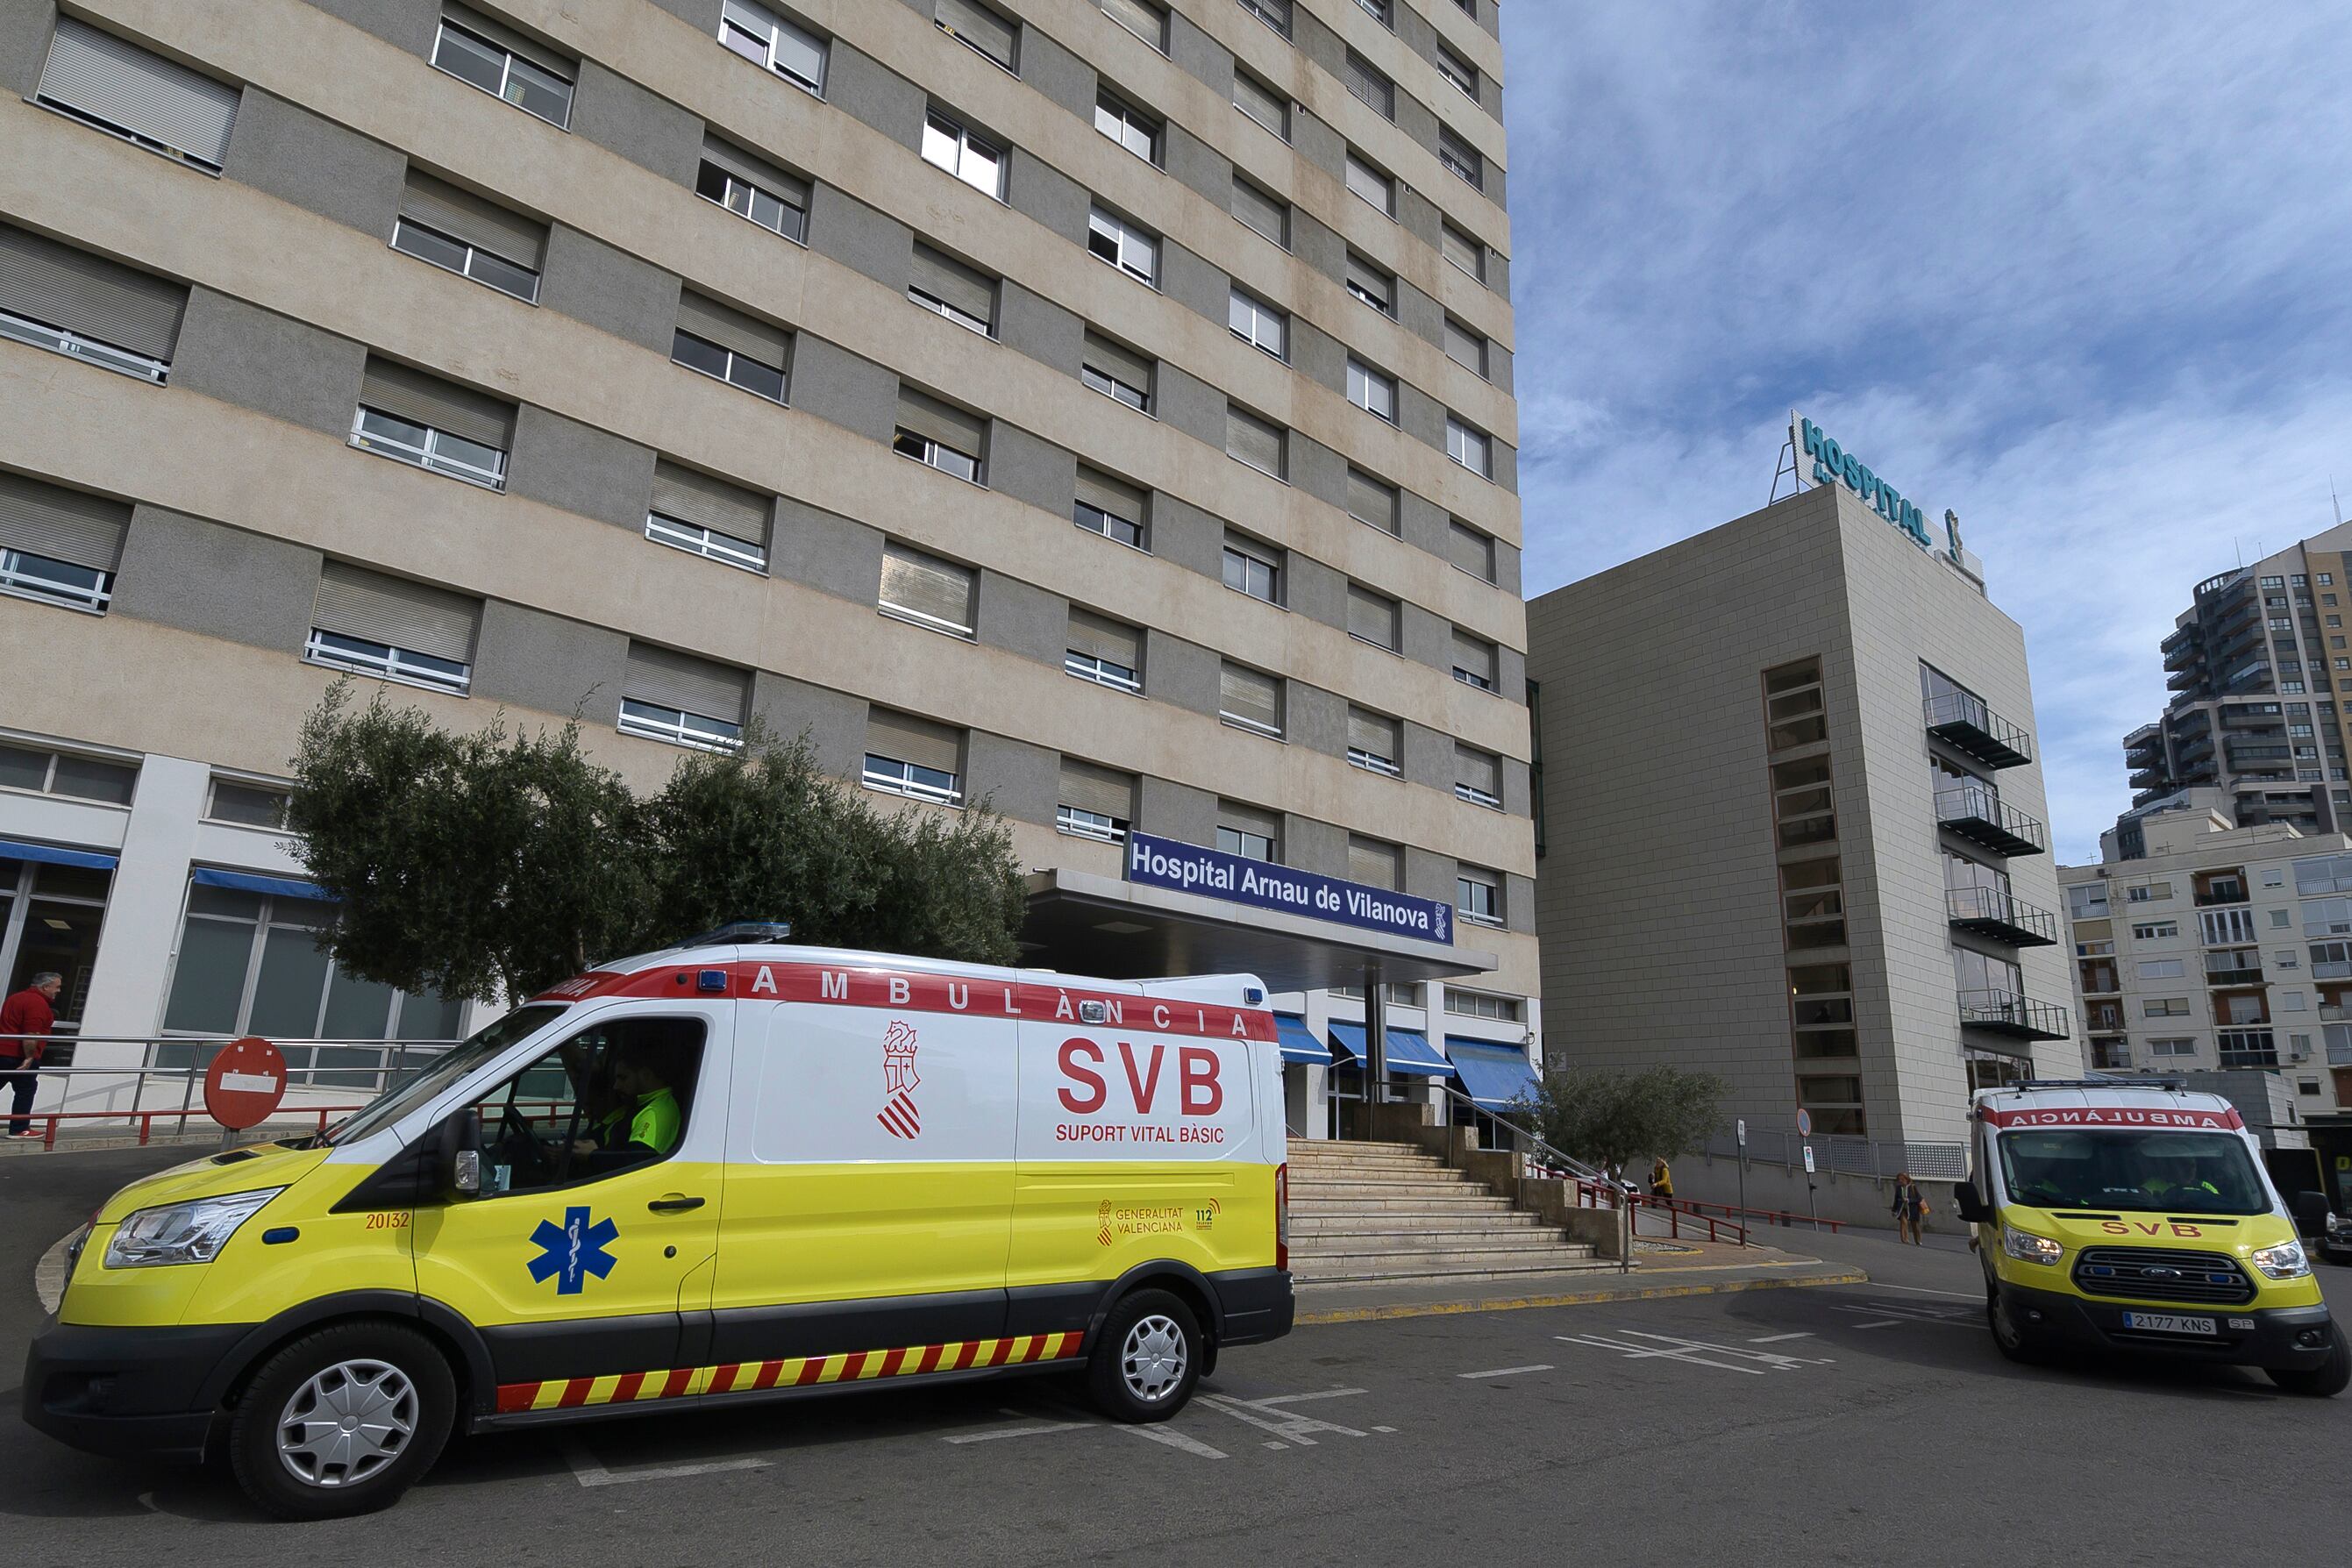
870,1182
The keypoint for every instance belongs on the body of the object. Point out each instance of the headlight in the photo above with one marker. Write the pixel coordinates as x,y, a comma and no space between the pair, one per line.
2284,1261
2028,1247
183,1232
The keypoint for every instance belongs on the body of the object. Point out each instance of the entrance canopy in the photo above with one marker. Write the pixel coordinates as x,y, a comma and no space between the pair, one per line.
1409,1050
1494,1075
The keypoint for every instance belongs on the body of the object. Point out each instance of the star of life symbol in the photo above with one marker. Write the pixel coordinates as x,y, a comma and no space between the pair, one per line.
898,1116
569,1253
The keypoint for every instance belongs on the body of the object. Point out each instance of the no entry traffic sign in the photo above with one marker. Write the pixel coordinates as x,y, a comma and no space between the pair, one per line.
245,1082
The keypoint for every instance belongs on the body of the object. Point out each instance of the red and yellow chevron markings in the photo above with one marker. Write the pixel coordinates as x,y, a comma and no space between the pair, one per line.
806,1371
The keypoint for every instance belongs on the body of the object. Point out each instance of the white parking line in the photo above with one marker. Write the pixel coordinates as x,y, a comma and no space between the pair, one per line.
1699,1353
1016,1431
589,1473
1192,1446
1922,1290
1776,1339
1880,1323
1508,1370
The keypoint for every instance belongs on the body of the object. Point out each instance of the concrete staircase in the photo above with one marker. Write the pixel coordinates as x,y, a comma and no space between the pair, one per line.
1387,1213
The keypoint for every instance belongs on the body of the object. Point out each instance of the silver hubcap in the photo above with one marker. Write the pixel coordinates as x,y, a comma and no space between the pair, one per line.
1153,1358
347,1423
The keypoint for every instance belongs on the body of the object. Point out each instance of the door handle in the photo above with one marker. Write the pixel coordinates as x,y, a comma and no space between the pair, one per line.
674,1204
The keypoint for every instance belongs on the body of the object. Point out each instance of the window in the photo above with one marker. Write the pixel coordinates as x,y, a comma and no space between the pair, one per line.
1371,391
1375,864
914,757
1477,776
708,517
1254,441
1794,713
1274,14
1250,699
1253,568
948,145
1470,550
1479,895
1374,742
766,39
2294,1002
1371,501
1372,284
1123,245
72,303
1128,126
682,699
2172,1047
123,89
45,771
1116,371
60,545
1484,1005
1262,103
1468,8
2162,968
1112,508
2227,925
946,287
1095,802
393,628
926,591
1474,660
249,963
753,188
1461,159
1469,447
1834,1103
1144,18
2165,1007
1377,10
2273,582
1371,184
1106,652
1459,71
1463,251
1269,214
1246,831
646,1070
728,346
2156,930
1466,347
938,435
1372,618
505,64
246,805
416,418
459,232
1366,83
2279,917
977,27
1258,323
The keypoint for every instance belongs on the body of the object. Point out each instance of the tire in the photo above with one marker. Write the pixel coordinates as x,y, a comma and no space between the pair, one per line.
2324,1381
388,1385
2007,1337
1147,1358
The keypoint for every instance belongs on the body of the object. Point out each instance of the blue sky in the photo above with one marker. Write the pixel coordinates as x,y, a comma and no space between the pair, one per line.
2082,273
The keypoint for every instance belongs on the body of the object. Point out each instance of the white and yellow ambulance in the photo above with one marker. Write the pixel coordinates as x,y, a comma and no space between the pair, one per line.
2133,1215
733,1171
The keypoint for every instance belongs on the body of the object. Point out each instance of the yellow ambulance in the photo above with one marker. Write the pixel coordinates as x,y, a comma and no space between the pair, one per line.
2129,1215
733,1171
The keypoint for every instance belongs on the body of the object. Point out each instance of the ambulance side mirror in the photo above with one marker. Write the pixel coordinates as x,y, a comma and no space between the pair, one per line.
1969,1204
2310,1213
461,1155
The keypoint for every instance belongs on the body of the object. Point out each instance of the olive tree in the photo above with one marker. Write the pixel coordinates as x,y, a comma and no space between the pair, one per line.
1607,1117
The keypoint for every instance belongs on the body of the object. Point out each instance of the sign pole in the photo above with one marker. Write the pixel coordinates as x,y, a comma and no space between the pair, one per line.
1376,1044
1743,1181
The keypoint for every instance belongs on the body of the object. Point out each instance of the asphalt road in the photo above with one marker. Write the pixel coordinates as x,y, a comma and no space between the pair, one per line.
1868,1424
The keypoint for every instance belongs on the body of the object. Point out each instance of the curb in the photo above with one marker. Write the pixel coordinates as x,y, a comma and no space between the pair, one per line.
1575,1297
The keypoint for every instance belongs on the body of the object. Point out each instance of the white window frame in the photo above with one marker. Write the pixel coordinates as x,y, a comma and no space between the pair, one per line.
1251,564
893,776
932,451
1453,66
1078,507
746,21
1101,671
1385,307
1080,823
1263,321
1124,238
403,225
938,307
1473,174
427,455
696,732
1127,125
1379,391
954,151
340,650
1374,762
1094,379
1274,14
1462,441
20,577
1486,911
727,374
1386,204
695,538
506,77
731,183
1249,845
1477,797
106,356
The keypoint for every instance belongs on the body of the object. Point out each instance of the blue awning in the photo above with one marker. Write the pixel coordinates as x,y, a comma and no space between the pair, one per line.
1409,1050
1495,1075
10,849
269,887
1297,1044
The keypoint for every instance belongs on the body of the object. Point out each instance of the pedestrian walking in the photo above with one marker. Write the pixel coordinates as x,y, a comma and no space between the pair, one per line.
1910,1209
26,1021
1661,1178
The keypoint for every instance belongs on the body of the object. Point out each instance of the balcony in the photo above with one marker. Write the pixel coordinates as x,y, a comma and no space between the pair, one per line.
2153,778
2220,979
1964,724
1976,814
2007,1013
2110,1056
2105,1018
1989,911
2254,1058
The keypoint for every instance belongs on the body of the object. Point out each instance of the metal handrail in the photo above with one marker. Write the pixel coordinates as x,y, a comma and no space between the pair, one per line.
1553,1157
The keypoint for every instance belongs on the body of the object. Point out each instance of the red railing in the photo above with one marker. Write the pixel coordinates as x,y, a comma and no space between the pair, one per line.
297,1114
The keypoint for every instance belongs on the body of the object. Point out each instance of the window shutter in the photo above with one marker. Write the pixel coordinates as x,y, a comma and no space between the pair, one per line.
1250,694
436,203
1479,770
946,279
1475,655
1466,347
1266,824
423,399
1105,638
731,329
1372,862
1090,788
1252,440
694,497
927,586
1369,500
756,171
1120,362
981,28
1267,215
71,290
61,524
1373,732
1370,85
690,684
1470,550
1370,184
1268,107
395,612
929,417
907,739
123,86
1363,275
1141,17
1468,254
1117,497
1372,617
507,38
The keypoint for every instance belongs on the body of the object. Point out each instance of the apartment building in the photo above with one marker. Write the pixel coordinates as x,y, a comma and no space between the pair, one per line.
1101,409
1792,832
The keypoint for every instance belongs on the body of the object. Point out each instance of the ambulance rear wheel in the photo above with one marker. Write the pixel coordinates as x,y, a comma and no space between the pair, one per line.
342,1422
1147,1358
2328,1378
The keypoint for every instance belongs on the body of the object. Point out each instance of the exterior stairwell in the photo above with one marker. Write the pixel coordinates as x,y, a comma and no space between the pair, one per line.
1387,1213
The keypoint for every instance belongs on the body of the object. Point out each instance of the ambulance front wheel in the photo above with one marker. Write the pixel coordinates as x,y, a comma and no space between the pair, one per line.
343,1421
1146,1359
2325,1381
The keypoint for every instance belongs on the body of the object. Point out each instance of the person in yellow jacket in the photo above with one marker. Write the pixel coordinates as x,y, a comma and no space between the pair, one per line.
644,1124
1661,1178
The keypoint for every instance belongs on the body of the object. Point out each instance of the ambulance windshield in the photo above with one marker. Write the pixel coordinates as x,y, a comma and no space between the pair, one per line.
2167,1172
422,1083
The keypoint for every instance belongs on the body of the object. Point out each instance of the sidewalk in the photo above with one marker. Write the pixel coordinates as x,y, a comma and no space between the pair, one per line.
1689,1268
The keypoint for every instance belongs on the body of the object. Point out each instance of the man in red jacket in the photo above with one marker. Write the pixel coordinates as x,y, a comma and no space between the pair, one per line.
29,1013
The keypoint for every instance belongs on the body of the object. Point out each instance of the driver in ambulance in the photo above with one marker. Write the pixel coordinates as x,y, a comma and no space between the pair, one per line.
646,1121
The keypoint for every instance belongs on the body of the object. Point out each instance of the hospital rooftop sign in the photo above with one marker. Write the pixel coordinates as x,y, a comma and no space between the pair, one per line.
1832,463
